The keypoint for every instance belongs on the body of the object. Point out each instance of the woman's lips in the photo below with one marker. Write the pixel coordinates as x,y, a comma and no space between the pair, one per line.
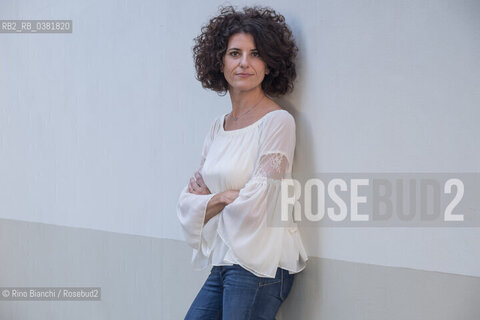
244,75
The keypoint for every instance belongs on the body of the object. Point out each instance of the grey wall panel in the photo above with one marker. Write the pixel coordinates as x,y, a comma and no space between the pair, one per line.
140,277
335,290
150,278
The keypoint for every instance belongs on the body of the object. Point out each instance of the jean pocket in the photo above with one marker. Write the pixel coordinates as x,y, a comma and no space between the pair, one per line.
264,281
268,282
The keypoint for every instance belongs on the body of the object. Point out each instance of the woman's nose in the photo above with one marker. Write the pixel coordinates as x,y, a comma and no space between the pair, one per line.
244,61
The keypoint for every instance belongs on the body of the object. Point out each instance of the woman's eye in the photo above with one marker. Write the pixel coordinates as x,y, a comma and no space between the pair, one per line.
235,53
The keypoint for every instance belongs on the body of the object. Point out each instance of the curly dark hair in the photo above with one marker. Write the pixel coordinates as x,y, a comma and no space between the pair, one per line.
273,40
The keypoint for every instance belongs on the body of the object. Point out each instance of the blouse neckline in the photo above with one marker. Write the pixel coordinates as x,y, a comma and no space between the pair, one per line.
235,131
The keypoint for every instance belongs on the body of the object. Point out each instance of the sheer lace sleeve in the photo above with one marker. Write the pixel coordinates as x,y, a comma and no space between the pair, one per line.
271,166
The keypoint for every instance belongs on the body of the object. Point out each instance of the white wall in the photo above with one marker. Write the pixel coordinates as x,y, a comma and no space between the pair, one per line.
101,128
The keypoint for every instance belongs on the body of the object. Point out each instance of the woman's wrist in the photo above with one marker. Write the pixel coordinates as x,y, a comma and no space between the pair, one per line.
214,206
218,199
218,202
223,198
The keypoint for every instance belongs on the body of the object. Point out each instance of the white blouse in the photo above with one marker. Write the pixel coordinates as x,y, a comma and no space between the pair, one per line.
253,160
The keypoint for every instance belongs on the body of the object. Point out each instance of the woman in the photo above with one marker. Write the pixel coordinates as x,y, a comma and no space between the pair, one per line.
225,208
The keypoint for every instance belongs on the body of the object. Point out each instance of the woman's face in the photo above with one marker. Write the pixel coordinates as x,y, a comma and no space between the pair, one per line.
243,69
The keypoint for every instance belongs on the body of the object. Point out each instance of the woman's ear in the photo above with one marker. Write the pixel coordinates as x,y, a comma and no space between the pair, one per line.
267,70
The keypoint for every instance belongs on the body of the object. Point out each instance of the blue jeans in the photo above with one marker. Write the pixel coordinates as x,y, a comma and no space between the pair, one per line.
233,293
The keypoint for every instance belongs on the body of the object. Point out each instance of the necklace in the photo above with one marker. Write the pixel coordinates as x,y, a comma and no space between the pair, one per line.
236,118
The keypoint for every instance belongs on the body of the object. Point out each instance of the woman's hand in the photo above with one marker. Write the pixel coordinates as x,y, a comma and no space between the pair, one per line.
229,196
197,185
217,202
